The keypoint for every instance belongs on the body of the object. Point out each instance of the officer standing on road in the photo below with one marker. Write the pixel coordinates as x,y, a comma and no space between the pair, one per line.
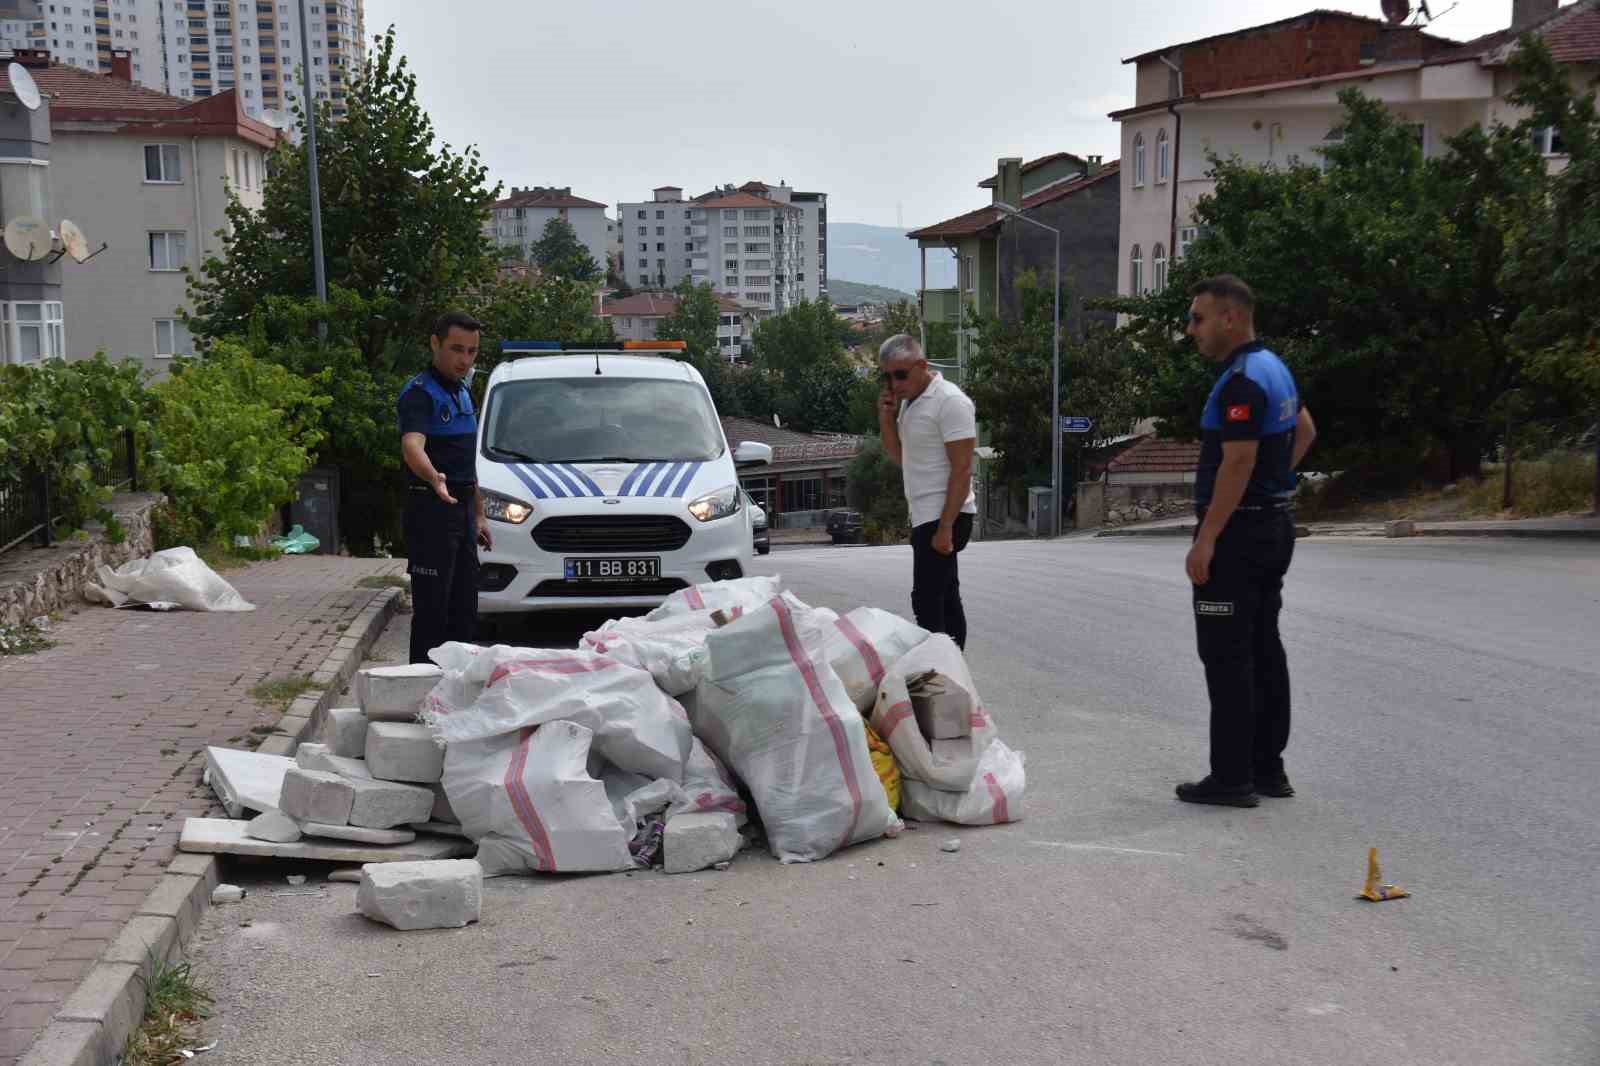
1254,432
932,439
444,519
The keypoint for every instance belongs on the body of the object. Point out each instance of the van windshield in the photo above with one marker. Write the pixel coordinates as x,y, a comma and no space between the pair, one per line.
601,419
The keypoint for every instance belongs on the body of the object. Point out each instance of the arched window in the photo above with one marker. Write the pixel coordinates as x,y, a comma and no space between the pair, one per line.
1163,157
1138,160
1136,273
1158,266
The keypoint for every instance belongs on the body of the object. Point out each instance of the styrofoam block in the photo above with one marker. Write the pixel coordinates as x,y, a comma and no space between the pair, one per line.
246,780
422,895
394,693
274,826
316,796
696,841
386,804
344,731
404,751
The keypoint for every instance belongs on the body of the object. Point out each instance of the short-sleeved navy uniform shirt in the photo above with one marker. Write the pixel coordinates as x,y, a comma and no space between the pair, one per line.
1254,399
441,410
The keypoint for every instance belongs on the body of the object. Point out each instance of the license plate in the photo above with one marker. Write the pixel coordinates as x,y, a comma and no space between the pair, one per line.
647,569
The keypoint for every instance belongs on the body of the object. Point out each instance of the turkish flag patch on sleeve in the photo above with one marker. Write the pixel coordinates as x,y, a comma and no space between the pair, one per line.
1239,412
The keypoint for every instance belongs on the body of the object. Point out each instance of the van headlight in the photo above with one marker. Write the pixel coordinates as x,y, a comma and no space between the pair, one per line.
718,504
503,508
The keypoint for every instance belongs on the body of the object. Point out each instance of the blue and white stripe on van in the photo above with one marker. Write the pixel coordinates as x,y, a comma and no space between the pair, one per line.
565,481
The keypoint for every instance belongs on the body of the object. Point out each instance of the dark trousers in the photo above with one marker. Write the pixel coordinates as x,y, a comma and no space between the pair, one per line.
936,581
1236,626
442,559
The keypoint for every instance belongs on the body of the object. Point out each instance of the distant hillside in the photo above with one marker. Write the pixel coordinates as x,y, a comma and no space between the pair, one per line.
854,292
881,255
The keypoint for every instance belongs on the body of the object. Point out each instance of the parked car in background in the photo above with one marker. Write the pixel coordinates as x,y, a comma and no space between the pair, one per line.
760,535
845,527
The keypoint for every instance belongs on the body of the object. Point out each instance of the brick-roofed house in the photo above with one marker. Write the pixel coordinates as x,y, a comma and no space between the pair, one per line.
517,222
635,318
806,477
1269,94
1152,478
146,175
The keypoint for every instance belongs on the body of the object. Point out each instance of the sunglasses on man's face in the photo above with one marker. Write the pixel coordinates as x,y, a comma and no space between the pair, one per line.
898,375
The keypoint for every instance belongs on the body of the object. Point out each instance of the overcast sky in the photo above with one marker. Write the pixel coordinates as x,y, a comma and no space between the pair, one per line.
894,108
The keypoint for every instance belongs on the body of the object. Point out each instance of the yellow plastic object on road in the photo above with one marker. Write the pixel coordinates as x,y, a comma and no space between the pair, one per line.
883,762
1375,890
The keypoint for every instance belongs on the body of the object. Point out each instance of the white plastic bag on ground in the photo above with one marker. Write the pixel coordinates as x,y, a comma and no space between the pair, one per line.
707,786
664,648
863,644
945,764
527,798
636,726
744,592
176,575
775,711
995,795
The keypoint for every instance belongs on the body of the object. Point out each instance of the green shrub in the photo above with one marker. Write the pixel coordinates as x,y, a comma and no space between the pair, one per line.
1553,484
236,433
876,489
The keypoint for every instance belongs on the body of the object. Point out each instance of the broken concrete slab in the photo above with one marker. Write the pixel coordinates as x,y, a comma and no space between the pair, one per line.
404,751
227,894
358,833
274,826
320,758
695,841
394,693
344,731
317,796
444,829
246,780
442,811
346,874
309,752
222,836
387,804
422,895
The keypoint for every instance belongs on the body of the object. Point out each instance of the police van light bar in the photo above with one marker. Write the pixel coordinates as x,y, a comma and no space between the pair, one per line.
589,346
656,346
530,346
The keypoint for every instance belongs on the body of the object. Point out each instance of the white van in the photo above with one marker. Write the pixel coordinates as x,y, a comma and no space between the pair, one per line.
607,481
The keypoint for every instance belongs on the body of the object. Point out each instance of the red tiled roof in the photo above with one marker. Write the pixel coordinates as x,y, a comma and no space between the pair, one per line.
1032,164
1571,32
790,446
744,199
650,304
77,95
1155,456
983,218
1315,12
545,198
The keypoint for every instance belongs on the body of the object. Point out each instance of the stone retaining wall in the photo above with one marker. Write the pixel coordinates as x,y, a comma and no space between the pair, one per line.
38,581
1141,503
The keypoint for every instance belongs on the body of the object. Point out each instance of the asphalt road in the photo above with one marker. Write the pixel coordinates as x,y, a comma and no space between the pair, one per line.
1447,702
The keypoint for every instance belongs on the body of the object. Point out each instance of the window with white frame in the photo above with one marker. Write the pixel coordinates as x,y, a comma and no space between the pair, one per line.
1163,157
1138,160
1548,141
169,249
1136,272
1187,235
172,338
163,163
32,331
1158,262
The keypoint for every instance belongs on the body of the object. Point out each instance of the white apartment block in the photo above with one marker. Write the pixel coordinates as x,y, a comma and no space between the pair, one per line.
763,245
198,48
636,318
518,221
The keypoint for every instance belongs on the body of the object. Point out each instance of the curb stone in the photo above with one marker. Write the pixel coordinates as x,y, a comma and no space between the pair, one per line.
95,1022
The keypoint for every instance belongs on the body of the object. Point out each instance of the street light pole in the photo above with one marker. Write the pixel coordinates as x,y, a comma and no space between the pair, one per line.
1055,373
318,267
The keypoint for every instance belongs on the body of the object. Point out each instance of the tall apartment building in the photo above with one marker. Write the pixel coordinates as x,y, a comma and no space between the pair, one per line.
197,48
518,221
757,243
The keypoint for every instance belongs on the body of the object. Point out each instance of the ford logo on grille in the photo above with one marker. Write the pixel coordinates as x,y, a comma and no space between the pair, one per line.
613,501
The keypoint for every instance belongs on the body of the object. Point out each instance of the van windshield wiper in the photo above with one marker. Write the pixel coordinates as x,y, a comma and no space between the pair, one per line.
496,450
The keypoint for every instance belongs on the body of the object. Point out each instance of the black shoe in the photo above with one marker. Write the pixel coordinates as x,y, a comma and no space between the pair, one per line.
1208,791
1275,785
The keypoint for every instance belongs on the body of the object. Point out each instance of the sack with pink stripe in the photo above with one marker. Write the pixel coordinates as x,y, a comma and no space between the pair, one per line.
995,795
666,649
744,592
862,645
774,710
950,764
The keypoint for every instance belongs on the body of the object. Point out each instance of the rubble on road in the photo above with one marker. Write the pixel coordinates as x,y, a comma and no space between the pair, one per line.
274,826
696,841
223,836
403,751
446,894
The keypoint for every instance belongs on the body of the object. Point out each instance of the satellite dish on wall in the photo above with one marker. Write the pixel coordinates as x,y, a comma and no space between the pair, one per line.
28,238
73,240
1396,11
23,85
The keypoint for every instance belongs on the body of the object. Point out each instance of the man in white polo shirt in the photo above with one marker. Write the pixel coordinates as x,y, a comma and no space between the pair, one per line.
930,429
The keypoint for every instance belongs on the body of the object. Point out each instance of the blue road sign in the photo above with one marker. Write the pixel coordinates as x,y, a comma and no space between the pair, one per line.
1076,424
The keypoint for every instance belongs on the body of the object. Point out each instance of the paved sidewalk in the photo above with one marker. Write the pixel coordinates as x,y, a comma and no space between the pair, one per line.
101,752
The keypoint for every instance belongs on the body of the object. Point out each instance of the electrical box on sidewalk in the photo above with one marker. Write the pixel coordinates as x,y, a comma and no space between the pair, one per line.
1040,518
316,507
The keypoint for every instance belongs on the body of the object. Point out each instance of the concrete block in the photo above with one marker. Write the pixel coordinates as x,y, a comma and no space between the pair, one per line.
422,895
182,899
944,715
316,796
1400,527
320,758
404,751
144,941
306,754
69,1044
360,834
444,829
344,731
224,837
274,826
442,811
347,874
246,780
386,804
696,841
394,693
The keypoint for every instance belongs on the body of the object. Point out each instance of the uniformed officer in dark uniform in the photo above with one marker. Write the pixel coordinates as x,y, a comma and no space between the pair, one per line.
444,520
1254,432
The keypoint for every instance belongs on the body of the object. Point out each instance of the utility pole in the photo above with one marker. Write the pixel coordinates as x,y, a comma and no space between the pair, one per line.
318,267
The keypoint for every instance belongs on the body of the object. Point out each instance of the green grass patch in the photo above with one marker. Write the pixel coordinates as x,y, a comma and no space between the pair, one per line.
383,581
224,557
1555,484
23,638
278,693
173,1009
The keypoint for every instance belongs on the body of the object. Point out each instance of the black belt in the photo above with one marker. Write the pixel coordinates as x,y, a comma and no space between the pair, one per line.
1254,510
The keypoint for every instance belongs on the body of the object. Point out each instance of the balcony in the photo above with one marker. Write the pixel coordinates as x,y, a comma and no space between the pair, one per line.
942,305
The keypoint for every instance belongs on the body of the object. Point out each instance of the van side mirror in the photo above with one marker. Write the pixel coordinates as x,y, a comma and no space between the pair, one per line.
752,453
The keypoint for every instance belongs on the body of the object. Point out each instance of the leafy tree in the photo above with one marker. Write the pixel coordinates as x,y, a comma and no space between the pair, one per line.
559,252
806,333
694,321
876,489
550,308
819,397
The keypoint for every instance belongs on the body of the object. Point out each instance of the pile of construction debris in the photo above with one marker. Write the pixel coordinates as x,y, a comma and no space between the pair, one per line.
652,744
